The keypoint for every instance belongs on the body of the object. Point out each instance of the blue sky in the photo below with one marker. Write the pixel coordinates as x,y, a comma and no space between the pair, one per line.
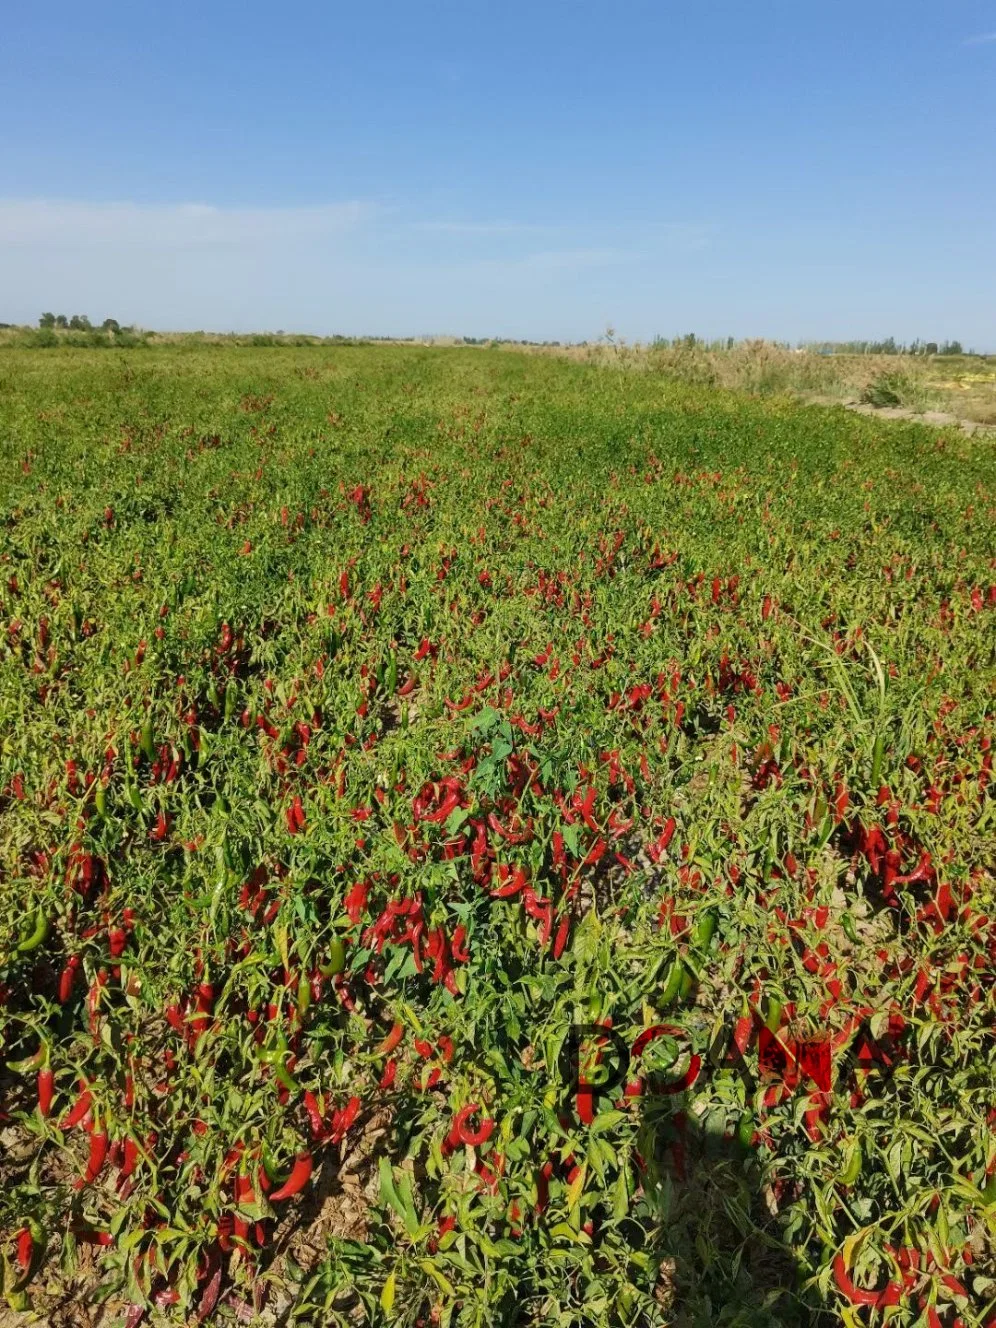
541,169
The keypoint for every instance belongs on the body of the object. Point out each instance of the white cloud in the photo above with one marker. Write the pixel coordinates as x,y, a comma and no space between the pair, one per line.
52,222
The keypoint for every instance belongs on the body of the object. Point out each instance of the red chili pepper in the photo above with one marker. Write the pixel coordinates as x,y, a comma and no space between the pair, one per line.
342,1120
99,1144
389,1075
174,1017
563,931
67,978
130,1157
204,1004
891,1295
464,1133
46,1087
585,809
659,847
162,828
314,1114
25,1249
79,1110
298,1178
355,902
388,1044
512,880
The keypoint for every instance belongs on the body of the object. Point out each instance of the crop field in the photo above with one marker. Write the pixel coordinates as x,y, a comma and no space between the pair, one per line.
489,840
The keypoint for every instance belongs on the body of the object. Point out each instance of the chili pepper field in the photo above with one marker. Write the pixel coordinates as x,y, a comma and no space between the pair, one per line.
489,840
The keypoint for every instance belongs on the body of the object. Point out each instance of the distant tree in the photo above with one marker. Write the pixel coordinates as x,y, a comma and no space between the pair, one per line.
47,320
951,348
61,320
80,323
110,325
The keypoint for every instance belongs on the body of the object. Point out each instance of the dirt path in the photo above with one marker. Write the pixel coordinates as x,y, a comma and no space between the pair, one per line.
937,418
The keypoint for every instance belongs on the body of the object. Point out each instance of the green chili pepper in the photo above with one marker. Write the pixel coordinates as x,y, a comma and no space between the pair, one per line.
704,929
852,1170
850,931
273,1173
131,789
147,744
745,1130
100,799
773,1017
231,700
277,1061
672,984
303,995
878,752
826,830
33,1062
35,937
337,959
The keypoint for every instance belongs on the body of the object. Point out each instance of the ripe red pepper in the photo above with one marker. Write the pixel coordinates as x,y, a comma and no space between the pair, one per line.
99,1144
130,1157
659,847
67,978
25,1249
891,1295
463,1133
315,1118
385,1047
298,1178
79,1110
342,1120
389,1075
46,1088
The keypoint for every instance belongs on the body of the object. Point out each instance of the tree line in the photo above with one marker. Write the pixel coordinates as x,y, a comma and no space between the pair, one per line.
80,323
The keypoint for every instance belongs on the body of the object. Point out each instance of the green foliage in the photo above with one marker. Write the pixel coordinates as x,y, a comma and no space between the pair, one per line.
898,387
372,715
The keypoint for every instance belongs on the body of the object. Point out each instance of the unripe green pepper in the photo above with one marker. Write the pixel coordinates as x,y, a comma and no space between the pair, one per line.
337,959
672,984
745,1130
303,994
705,928
36,936
852,1170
